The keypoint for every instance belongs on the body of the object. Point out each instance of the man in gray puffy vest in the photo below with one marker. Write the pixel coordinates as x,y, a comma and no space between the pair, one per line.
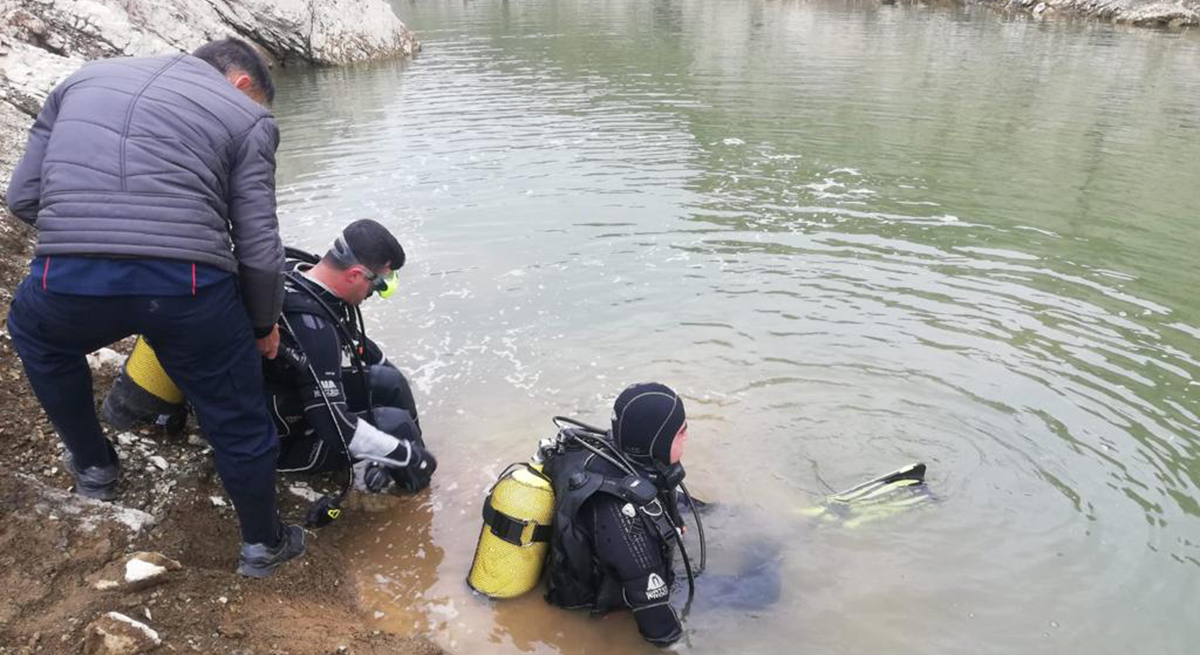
151,182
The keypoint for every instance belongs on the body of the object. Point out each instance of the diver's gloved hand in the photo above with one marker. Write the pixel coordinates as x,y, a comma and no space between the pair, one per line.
409,464
417,474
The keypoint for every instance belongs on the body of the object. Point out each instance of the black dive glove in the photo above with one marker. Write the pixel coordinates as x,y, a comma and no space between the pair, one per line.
419,471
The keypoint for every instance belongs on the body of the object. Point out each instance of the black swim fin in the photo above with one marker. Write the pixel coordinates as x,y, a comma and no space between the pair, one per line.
909,475
875,499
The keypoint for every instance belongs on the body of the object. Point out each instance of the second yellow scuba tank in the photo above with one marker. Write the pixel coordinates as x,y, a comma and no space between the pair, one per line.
143,393
516,531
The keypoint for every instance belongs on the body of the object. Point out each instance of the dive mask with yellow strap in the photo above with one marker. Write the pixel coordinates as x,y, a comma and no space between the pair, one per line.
384,285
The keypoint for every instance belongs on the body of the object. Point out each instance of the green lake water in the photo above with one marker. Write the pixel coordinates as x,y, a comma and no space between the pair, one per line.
852,237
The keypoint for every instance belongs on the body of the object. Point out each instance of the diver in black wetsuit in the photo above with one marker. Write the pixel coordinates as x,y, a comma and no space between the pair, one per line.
610,549
332,393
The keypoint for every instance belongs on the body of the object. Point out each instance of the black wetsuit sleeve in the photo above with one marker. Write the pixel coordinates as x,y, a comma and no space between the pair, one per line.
626,548
319,341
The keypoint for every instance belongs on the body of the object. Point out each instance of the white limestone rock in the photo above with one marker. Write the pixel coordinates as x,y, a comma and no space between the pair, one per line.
89,513
1155,13
117,634
43,41
105,358
135,572
374,33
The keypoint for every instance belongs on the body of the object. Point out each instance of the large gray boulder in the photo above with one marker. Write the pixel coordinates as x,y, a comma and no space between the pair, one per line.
1151,13
319,31
44,41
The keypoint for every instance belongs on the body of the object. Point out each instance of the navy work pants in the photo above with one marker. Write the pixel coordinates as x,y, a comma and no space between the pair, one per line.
204,342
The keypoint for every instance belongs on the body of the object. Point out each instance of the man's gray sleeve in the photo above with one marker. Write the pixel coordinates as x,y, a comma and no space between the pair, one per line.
24,195
255,227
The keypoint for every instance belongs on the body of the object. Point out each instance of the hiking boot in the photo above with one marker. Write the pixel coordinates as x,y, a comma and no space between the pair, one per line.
261,560
96,482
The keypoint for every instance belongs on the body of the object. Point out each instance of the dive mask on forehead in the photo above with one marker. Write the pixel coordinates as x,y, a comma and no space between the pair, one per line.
384,285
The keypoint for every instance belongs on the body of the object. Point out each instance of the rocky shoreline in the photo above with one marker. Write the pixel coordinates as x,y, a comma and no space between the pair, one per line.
155,569
1143,13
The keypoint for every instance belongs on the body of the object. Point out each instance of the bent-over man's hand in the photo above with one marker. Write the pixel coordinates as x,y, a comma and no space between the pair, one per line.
268,346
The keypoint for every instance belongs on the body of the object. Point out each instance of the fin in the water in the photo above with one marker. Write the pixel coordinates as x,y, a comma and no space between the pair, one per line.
704,507
911,474
756,586
875,499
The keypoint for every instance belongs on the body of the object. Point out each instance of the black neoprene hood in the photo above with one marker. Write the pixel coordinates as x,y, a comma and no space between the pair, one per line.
645,419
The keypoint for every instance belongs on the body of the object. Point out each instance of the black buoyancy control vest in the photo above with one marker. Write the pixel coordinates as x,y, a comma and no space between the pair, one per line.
296,300
573,579
284,375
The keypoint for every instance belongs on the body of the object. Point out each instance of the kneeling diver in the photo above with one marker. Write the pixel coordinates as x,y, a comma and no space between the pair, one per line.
334,397
333,394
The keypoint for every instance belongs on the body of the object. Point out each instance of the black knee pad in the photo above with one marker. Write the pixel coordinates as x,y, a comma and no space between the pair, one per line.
422,463
386,380
390,388
396,422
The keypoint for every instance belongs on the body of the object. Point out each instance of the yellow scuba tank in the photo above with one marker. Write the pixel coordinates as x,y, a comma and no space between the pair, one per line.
513,542
143,392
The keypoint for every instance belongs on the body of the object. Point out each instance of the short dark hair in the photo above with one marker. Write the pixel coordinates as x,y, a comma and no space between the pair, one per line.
229,54
370,244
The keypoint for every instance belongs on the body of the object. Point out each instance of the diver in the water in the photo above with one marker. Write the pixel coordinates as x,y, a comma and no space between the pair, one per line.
335,397
606,505
613,548
616,516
